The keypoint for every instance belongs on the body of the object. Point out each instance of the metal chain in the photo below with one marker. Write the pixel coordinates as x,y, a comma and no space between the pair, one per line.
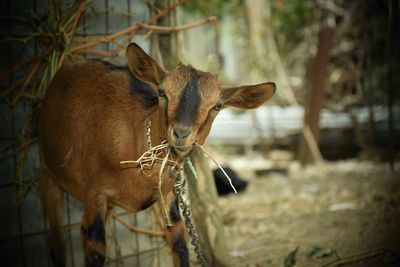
179,191
184,205
148,134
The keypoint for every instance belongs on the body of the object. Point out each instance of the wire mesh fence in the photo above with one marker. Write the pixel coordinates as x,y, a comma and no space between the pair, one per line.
23,226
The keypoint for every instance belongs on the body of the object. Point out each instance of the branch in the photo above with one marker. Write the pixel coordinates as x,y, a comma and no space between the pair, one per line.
10,89
80,10
179,28
19,19
71,28
25,82
26,62
14,39
21,148
32,97
137,229
291,98
157,217
21,83
16,18
134,28
100,53
357,257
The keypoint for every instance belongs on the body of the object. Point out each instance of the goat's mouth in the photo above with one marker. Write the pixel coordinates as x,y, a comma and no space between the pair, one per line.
182,151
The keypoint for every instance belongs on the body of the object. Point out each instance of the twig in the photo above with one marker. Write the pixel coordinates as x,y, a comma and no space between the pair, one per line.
14,39
26,62
137,229
80,10
61,60
157,217
26,82
336,254
32,97
71,28
356,257
19,19
160,182
131,29
10,89
99,53
179,28
21,148
145,37
291,98
219,166
124,41
11,17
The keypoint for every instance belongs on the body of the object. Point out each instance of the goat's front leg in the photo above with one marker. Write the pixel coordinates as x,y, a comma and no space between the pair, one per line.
93,231
175,236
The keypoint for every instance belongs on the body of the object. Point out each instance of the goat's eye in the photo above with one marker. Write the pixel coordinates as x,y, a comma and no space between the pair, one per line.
161,93
218,106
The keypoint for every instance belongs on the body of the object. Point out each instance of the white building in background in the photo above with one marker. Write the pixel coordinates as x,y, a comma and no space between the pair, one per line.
276,121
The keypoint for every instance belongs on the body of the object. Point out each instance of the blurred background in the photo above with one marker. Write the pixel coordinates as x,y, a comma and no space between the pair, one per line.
317,166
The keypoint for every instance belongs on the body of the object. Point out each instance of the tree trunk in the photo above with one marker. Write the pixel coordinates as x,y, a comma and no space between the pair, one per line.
258,16
393,54
206,213
316,95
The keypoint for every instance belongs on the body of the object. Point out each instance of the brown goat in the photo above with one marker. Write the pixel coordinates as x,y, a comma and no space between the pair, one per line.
95,115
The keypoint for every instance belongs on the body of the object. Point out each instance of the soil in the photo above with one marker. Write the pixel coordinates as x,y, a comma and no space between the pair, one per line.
338,214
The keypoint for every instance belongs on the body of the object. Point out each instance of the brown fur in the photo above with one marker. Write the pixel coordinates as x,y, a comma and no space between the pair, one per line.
90,121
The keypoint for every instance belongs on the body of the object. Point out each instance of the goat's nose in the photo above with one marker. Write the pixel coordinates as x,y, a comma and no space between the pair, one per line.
181,132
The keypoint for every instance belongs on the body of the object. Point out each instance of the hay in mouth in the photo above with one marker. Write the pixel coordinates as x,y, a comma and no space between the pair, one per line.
162,154
159,154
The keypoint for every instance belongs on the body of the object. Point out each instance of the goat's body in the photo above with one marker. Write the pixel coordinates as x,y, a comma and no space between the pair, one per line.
95,115
85,131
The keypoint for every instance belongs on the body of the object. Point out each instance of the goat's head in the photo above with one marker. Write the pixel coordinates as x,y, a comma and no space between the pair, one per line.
189,100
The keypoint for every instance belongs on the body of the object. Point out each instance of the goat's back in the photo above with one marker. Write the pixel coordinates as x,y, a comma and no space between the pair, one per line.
88,120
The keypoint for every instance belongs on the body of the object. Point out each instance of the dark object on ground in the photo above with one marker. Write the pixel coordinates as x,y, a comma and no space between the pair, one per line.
222,183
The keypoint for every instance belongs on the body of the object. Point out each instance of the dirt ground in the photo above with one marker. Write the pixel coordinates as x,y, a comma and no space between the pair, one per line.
340,214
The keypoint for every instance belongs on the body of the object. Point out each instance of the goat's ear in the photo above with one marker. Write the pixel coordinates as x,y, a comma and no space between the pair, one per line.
249,96
143,66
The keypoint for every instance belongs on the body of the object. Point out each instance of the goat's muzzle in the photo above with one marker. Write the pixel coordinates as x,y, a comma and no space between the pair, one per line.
180,138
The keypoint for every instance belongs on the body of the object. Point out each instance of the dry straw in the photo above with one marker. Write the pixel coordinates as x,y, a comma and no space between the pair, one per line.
161,154
218,165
